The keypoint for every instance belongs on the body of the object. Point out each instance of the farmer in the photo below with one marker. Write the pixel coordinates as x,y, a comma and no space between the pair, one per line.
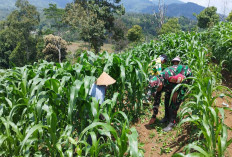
156,69
156,65
166,82
176,60
98,89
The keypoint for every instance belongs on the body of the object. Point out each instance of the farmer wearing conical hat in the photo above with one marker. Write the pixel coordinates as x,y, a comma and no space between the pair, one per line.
166,82
176,60
98,89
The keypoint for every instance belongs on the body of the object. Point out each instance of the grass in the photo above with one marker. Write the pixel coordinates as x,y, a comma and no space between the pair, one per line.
152,135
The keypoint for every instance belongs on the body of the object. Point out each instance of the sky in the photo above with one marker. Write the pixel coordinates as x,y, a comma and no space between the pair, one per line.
219,4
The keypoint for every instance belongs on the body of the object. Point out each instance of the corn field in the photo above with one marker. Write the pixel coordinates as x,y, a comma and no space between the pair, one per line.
45,108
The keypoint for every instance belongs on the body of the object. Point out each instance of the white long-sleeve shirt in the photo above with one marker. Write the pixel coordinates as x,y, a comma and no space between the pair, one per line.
98,92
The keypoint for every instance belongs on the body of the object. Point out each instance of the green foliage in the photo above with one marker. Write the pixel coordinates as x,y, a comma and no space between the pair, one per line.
208,17
46,106
187,24
171,26
5,48
51,102
199,105
119,35
229,18
56,15
19,44
219,39
148,23
93,19
135,34
17,57
39,48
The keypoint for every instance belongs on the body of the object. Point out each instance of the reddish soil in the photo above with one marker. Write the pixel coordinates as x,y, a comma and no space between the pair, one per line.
158,143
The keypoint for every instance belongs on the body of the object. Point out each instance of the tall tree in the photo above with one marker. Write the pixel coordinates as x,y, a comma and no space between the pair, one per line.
171,26
135,34
17,33
119,35
55,14
208,17
94,19
6,47
160,15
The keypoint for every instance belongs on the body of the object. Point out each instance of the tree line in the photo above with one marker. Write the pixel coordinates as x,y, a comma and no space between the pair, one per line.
27,36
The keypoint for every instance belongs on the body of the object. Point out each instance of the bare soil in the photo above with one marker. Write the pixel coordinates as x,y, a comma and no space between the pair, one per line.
74,46
159,143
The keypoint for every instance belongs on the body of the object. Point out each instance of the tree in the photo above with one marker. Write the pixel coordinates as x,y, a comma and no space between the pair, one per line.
5,48
93,18
229,18
119,35
208,17
135,34
187,24
55,49
160,15
18,43
171,26
56,15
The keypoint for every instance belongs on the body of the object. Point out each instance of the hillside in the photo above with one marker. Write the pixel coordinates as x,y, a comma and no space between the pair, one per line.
139,6
174,7
177,10
40,4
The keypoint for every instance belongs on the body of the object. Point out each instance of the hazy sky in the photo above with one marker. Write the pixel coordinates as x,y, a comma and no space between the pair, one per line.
217,3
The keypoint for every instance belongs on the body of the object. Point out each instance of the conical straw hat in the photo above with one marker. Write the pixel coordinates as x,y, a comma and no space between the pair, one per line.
105,79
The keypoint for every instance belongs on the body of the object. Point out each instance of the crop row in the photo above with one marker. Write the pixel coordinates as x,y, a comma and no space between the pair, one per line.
46,110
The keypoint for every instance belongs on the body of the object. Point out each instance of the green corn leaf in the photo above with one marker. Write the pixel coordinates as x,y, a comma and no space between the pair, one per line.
2,139
30,132
95,108
9,102
105,126
189,155
133,143
59,148
199,149
69,153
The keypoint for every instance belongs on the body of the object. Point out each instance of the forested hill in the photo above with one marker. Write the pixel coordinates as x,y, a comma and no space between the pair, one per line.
174,7
38,3
7,6
177,9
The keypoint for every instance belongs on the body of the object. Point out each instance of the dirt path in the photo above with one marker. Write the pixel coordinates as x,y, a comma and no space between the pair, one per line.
156,143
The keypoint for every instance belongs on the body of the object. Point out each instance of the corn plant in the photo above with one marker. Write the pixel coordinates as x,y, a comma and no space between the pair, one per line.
220,41
45,104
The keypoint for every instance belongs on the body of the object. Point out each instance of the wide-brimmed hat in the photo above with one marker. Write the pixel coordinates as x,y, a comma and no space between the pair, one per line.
176,59
105,79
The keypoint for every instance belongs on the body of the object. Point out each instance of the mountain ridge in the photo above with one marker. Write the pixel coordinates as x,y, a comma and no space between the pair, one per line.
175,8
